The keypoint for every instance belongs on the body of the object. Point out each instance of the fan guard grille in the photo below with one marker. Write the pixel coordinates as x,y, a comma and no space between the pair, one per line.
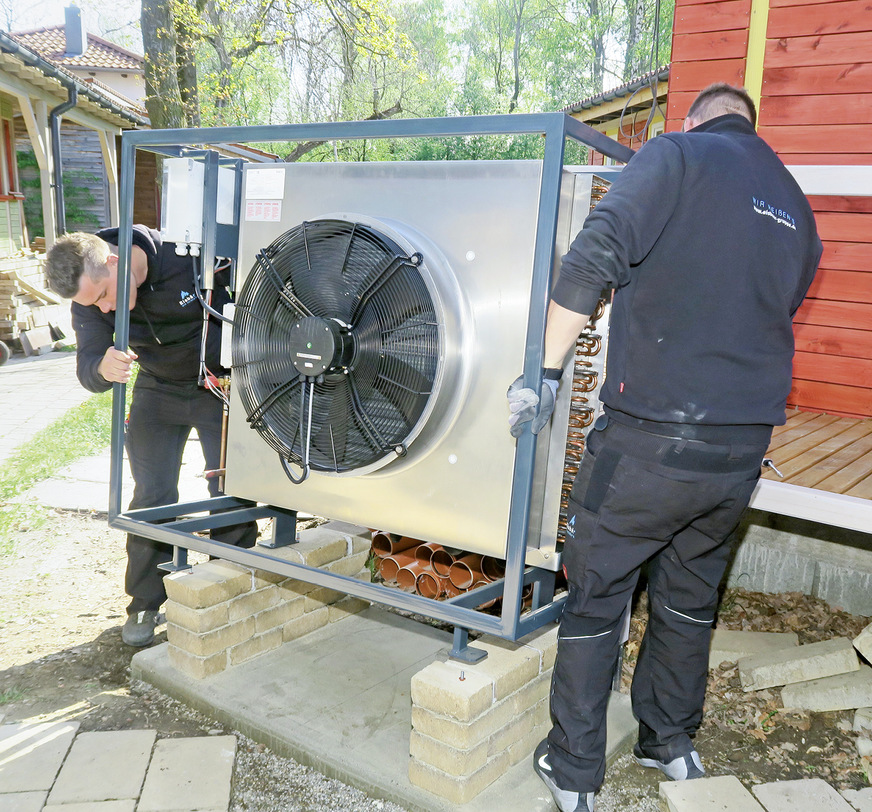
363,408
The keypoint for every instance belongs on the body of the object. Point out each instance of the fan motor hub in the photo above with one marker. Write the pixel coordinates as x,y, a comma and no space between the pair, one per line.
319,345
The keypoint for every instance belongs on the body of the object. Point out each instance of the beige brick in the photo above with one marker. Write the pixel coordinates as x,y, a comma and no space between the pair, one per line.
322,596
206,584
439,688
463,735
304,624
276,616
263,578
254,646
542,712
208,643
509,665
357,536
291,588
349,605
446,758
532,693
197,620
511,734
350,565
524,747
316,547
361,542
458,790
545,642
252,603
197,667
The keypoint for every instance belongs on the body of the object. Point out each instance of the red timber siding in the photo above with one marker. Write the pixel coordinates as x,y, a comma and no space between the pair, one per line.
815,108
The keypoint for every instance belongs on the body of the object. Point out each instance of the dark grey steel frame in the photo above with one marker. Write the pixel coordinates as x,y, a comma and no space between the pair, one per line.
177,525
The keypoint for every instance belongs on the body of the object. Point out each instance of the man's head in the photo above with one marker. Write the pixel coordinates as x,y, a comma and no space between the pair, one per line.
83,268
720,99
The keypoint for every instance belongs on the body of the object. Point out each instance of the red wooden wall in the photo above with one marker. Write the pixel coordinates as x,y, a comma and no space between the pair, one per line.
815,108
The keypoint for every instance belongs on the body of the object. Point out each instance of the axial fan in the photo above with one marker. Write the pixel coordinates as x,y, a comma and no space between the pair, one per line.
336,347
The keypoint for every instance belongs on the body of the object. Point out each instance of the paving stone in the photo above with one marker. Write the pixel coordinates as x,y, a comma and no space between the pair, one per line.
509,665
863,642
107,766
860,799
723,793
864,746
31,755
842,692
799,664
93,806
189,775
863,720
729,646
805,794
453,690
22,801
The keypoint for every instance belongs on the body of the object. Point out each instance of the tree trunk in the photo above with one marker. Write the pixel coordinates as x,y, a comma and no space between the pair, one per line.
163,97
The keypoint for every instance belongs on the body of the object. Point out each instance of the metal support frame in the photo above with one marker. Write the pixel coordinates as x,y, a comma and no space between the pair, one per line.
179,522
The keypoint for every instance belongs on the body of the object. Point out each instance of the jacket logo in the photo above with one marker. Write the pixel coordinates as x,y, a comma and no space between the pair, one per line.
778,215
570,526
186,299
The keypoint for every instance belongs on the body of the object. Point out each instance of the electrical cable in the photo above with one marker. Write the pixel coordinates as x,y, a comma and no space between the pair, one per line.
651,84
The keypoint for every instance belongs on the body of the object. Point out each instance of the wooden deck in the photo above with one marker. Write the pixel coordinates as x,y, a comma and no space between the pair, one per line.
827,466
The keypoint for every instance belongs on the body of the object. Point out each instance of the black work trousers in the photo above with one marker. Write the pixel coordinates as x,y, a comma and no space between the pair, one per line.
641,497
161,417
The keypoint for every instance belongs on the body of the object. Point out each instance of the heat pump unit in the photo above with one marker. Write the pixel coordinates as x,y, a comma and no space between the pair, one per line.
381,315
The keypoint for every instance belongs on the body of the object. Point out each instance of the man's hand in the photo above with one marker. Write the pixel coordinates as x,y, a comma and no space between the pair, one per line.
115,365
526,406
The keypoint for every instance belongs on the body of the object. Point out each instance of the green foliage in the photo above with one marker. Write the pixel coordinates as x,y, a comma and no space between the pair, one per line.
77,196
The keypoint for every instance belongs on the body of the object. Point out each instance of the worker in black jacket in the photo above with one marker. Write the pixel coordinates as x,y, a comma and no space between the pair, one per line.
710,247
166,330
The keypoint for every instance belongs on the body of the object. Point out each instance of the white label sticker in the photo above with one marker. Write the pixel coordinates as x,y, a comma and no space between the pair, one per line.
264,211
266,183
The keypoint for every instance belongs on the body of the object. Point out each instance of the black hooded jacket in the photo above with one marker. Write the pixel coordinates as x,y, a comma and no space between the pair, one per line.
711,247
165,323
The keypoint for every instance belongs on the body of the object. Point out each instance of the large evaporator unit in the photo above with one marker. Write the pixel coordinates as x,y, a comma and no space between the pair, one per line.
382,309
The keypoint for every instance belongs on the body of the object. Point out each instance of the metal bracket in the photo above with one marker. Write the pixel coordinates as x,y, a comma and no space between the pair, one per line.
284,529
461,650
179,562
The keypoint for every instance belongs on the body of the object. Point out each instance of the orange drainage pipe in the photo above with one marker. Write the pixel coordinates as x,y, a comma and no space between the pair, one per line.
441,562
390,565
424,552
429,585
492,568
407,576
465,571
389,543
486,604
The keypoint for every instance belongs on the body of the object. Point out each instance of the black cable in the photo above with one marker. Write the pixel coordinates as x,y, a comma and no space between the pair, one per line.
207,307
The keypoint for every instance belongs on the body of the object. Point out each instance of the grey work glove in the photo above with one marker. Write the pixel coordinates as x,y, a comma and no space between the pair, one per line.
525,405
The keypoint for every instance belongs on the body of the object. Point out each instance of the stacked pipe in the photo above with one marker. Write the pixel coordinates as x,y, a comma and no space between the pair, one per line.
432,570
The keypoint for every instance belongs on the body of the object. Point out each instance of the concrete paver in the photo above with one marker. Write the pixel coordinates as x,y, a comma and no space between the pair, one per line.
841,692
22,801
792,796
92,806
799,664
31,754
729,646
105,766
721,794
860,799
188,775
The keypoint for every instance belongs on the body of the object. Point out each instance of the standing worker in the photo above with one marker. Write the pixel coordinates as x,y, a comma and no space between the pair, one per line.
166,337
710,247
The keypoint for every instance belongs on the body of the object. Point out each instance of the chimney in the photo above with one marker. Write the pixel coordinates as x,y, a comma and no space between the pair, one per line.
77,38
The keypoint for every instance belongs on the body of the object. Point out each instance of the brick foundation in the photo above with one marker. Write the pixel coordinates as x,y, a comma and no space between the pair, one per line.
470,723
220,614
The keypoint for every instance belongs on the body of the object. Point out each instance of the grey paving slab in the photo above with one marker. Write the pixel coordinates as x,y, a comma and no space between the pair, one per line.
32,754
805,794
728,645
339,701
723,793
22,801
860,799
104,766
799,664
189,775
841,692
93,806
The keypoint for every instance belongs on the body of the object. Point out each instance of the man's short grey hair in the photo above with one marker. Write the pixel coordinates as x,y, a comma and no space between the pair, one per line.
70,257
721,99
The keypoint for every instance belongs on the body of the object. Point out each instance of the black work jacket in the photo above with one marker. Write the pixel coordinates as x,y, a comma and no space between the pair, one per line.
165,324
711,247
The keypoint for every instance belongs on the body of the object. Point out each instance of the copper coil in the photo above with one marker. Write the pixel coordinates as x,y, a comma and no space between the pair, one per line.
584,382
589,344
578,401
581,420
582,366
